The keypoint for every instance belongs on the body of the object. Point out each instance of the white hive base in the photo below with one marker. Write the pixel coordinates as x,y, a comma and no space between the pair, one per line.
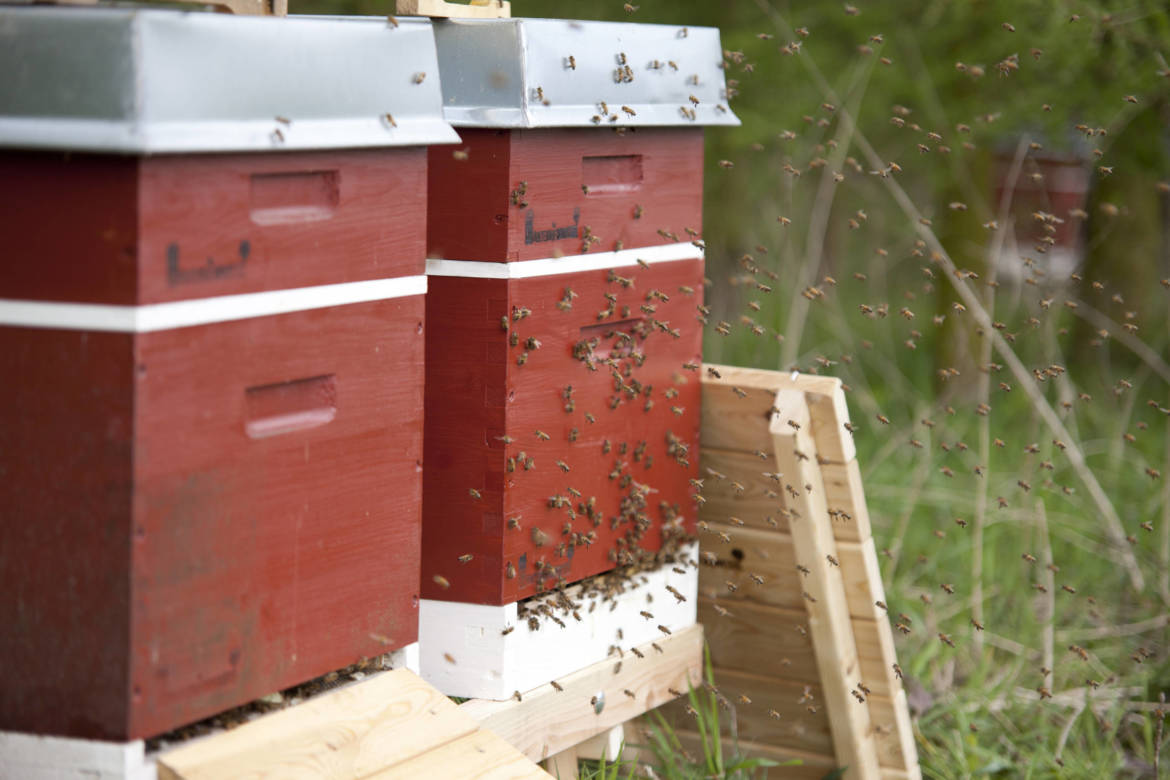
464,651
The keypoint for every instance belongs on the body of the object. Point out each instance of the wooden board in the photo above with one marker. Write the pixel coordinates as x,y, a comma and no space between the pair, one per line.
834,645
819,509
478,9
547,721
737,427
387,726
639,182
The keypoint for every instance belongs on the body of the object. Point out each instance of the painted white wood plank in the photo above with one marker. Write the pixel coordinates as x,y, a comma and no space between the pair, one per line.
36,757
550,266
202,311
464,651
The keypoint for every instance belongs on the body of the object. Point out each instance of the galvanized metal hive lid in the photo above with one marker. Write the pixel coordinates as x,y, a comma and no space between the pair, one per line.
157,81
563,73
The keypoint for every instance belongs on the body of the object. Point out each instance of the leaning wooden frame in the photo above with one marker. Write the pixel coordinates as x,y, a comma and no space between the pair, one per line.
790,592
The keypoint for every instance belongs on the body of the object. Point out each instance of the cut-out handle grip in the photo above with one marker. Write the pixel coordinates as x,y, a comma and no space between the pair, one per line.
294,196
608,175
291,406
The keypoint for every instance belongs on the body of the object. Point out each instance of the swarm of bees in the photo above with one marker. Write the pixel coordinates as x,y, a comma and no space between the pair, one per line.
945,299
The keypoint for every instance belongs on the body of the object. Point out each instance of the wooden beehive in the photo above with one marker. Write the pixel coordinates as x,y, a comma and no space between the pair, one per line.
565,301
211,329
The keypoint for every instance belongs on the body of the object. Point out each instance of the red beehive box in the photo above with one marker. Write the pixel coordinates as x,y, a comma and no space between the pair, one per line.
563,344
211,333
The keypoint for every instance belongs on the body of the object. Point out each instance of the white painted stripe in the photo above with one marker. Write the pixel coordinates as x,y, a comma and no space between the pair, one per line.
548,266
202,311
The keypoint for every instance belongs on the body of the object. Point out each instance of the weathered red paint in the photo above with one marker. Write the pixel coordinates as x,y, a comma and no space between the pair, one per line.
129,230
477,393
192,518
657,172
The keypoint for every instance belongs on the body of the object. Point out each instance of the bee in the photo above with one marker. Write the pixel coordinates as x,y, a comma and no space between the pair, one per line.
946,640
510,571
883,419
832,560
805,571
542,435
516,695
466,558
629,111
721,611
772,713
474,493
441,581
513,523
1068,589
656,647
419,77
756,579
277,136
507,630
948,587
646,615
449,659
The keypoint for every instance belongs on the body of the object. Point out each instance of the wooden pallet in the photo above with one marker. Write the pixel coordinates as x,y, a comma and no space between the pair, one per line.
388,726
817,634
394,725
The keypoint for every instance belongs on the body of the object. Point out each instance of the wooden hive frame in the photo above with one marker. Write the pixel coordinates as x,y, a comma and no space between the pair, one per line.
791,496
